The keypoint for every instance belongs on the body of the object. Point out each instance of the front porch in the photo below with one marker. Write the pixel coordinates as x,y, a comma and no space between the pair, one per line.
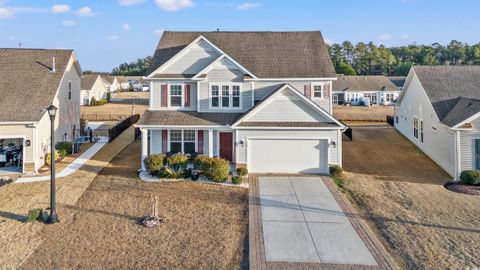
211,142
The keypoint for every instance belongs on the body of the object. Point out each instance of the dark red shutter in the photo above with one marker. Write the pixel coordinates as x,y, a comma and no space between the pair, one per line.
164,141
187,95
200,141
307,91
164,95
326,90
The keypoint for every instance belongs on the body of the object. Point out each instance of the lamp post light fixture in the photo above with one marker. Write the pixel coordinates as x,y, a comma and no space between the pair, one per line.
53,218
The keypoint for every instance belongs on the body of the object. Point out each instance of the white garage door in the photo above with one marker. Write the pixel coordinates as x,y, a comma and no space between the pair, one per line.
287,156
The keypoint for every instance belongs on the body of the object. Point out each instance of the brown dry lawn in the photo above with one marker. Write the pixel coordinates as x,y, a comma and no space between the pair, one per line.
18,239
121,104
206,225
399,191
361,113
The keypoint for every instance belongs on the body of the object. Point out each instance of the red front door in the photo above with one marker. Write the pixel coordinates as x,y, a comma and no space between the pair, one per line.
226,145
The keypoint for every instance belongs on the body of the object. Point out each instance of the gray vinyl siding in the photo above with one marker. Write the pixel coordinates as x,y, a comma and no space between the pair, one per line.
262,89
287,107
194,61
331,135
467,146
156,95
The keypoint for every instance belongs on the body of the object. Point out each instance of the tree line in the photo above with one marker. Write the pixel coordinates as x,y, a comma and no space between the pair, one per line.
369,59
135,68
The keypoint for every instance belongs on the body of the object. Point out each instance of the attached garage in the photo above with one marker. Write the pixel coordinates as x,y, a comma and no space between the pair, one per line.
287,155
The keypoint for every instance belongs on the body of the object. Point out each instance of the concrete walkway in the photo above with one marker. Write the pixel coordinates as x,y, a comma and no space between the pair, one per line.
302,222
71,168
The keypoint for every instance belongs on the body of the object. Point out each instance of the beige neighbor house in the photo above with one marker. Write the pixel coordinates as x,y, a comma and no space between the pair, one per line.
30,81
93,86
261,100
124,84
113,83
358,90
439,111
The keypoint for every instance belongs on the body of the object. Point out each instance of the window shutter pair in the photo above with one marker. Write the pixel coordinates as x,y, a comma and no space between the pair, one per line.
307,91
164,95
164,141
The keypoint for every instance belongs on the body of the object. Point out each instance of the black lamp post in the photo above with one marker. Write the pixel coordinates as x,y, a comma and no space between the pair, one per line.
53,218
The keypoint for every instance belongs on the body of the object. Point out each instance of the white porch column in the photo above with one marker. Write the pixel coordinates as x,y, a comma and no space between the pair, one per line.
210,142
144,146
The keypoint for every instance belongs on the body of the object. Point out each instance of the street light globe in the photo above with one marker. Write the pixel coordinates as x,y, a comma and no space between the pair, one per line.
52,110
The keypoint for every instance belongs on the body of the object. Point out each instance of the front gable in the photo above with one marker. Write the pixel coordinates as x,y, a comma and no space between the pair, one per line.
287,105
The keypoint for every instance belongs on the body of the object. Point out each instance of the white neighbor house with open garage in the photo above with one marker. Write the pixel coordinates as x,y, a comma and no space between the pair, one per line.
240,96
439,111
30,81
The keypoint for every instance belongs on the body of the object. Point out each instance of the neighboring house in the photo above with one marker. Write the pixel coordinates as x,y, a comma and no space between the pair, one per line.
357,90
30,81
93,86
124,84
261,100
399,81
113,83
439,111
138,83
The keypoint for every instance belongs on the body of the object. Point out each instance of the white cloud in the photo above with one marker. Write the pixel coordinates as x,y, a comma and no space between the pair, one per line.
248,5
174,5
57,9
329,41
69,23
130,2
126,27
385,37
85,12
158,31
405,36
6,13
112,37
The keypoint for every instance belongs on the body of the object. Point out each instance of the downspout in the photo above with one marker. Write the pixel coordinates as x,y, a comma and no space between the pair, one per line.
457,154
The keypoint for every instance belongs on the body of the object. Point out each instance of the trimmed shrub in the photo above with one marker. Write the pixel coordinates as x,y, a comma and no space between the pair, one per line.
178,162
154,163
47,157
336,171
214,169
109,96
200,161
242,171
63,148
93,102
471,177
237,180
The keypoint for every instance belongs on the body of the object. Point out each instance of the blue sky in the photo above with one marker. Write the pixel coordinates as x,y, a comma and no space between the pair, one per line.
105,33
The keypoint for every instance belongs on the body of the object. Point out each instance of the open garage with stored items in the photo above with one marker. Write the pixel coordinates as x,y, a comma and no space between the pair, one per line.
11,155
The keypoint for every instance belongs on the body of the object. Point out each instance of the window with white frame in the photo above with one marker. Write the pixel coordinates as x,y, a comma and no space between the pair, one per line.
176,95
235,96
215,93
415,127
318,90
183,141
389,97
225,96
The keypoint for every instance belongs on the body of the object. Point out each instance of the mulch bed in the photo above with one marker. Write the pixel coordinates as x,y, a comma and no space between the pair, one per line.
463,188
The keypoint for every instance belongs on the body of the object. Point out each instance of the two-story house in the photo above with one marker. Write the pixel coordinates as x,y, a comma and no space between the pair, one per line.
258,99
30,81
439,111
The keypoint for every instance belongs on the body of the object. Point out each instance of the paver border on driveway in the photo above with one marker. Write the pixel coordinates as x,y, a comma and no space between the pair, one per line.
257,246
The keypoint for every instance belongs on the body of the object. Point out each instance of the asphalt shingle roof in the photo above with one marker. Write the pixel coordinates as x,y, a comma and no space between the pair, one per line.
88,81
184,118
454,91
363,83
265,54
27,83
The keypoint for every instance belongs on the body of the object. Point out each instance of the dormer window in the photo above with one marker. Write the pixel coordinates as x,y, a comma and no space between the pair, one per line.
225,96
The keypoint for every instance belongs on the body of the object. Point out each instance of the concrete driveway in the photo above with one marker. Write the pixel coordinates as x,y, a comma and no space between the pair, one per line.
302,222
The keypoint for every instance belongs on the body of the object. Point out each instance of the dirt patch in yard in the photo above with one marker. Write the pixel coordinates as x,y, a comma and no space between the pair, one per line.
205,227
400,192
361,113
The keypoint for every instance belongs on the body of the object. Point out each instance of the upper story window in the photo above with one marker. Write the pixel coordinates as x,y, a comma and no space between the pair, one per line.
225,96
69,90
176,95
317,90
